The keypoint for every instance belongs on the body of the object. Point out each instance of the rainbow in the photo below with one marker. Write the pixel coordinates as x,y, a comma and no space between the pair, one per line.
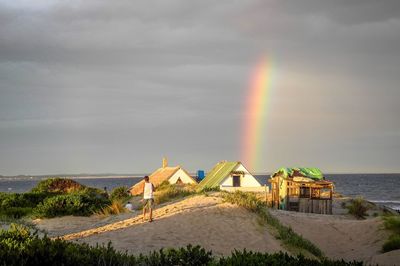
255,115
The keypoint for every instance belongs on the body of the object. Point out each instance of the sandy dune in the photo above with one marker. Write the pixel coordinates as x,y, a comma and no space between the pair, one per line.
205,221
341,236
222,227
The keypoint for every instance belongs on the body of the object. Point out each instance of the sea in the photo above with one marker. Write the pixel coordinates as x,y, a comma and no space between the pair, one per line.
382,189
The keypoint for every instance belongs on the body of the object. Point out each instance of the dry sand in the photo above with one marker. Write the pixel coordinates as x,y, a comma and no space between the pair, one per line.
222,227
198,220
341,236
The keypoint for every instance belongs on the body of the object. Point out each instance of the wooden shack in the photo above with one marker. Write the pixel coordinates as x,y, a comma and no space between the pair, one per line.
302,190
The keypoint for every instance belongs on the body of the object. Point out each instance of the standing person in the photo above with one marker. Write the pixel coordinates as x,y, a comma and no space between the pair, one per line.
148,198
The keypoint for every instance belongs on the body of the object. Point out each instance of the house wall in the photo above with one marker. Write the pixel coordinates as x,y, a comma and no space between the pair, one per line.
262,189
247,180
183,176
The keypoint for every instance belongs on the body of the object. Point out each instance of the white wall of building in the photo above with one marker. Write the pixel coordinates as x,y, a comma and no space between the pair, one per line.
183,176
247,180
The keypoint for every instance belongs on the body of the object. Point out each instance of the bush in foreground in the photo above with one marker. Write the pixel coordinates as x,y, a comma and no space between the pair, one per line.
20,247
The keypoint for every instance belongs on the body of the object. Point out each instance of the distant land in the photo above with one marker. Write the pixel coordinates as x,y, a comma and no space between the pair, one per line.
121,175
83,175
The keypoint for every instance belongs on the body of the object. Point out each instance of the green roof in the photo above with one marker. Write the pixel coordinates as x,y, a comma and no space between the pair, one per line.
217,174
313,173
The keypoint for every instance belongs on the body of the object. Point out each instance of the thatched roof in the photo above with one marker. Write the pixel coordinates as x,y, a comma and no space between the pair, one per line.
156,178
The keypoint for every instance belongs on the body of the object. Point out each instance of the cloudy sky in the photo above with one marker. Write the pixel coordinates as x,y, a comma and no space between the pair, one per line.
112,86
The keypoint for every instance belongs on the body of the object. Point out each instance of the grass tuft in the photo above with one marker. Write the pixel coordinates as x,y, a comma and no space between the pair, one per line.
116,207
358,207
392,243
168,192
392,223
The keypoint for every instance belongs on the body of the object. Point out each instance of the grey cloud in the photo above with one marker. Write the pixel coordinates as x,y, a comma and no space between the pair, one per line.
100,86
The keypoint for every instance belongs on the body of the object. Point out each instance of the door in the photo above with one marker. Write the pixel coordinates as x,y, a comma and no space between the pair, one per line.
236,180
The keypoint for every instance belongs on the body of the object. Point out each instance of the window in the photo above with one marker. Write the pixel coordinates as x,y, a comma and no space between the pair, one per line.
236,180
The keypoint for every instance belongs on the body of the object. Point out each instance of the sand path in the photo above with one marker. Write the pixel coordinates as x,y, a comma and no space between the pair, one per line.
198,220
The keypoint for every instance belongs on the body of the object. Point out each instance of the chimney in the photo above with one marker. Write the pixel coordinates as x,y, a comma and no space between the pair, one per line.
164,162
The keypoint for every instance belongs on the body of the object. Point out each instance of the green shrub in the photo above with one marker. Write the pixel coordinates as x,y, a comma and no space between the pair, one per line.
358,207
20,247
191,255
62,185
13,200
392,243
256,258
53,197
81,204
120,193
15,212
250,202
15,205
392,223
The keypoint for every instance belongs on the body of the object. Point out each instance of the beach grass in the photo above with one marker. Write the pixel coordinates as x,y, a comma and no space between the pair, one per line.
167,192
286,234
392,243
392,223
358,207
116,207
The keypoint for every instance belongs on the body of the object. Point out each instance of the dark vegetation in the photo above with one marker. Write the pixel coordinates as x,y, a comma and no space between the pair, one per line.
60,185
53,197
120,193
284,233
358,207
392,223
18,246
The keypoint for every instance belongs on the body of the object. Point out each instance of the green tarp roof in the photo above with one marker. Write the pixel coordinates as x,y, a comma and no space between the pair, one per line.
313,173
217,174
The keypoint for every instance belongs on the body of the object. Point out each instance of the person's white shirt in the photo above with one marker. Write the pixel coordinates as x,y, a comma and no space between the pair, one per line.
129,206
148,190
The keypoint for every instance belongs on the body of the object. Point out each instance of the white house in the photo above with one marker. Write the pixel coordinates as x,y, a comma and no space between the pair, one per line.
231,176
